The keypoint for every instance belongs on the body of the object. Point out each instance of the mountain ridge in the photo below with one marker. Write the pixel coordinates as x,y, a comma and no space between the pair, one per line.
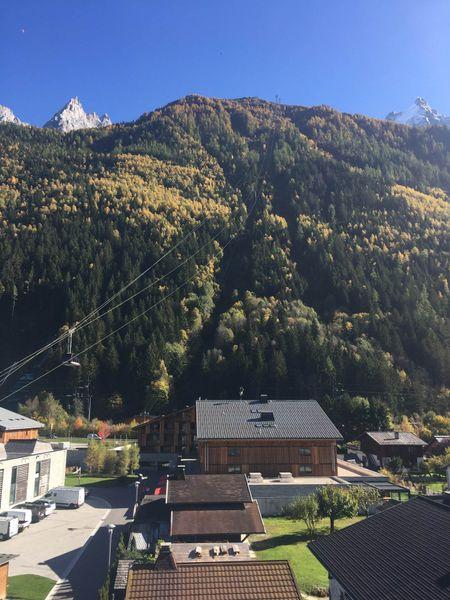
336,284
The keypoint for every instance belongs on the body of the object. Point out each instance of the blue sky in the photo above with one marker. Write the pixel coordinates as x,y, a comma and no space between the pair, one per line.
126,57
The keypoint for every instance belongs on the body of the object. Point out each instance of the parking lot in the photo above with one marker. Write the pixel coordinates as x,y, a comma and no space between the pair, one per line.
51,547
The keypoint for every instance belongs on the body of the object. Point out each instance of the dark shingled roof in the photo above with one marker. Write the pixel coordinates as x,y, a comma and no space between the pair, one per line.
123,567
244,519
387,438
208,489
253,580
400,553
6,558
245,419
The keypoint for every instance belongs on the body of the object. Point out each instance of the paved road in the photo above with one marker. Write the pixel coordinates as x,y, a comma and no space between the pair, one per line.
89,572
48,548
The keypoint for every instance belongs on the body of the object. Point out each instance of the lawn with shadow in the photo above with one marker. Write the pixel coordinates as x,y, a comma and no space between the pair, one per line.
286,540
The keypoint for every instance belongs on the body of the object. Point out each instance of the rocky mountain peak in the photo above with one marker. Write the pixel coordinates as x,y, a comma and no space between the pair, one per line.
72,116
419,114
7,116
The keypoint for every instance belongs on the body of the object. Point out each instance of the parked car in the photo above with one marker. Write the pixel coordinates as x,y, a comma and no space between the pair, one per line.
93,436
23,514
47,505
69,497
37,511
9,527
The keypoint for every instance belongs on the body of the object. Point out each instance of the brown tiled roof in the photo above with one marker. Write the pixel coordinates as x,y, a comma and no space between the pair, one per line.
253,580
208,489
245,519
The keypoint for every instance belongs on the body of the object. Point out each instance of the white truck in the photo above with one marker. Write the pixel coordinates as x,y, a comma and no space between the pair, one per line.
23,514
69,497
9,527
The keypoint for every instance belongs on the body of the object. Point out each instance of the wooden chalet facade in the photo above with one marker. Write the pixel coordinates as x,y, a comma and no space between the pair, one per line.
267,437
269,457
169,434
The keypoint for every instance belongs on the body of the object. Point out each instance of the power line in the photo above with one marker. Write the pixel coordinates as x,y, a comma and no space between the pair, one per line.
151,307
88,319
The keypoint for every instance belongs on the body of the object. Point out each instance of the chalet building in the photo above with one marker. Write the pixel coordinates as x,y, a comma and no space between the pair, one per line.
212,508
401,552
169,434
438,445
382,446
17,427
266,436
225,579
28,467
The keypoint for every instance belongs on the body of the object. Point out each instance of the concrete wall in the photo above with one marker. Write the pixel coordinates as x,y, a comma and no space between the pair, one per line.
56,475
273,506
76,457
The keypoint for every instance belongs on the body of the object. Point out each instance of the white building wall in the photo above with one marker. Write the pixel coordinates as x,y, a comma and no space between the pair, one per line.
56,476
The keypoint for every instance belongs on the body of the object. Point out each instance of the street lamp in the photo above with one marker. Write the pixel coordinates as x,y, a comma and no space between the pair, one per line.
136,487
111,528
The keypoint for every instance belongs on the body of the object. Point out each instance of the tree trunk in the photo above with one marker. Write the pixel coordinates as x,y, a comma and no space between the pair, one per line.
331,523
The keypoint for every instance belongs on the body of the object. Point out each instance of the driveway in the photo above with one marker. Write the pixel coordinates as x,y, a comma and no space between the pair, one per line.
89,571
51,547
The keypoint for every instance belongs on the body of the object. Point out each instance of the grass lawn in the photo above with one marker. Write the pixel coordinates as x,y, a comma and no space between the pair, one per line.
436,486
98,480
29,587
286,539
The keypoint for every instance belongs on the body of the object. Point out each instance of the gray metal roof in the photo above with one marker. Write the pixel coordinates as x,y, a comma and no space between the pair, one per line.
11,421
387,438
245,419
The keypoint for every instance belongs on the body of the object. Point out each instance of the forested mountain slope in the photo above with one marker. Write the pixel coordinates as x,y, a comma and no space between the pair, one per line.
320,246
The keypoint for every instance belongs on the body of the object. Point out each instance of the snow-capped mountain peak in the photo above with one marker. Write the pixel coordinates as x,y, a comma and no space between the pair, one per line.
419,114
73,116
7,116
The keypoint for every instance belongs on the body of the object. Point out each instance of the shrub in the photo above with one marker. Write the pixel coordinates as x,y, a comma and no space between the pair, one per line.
306,509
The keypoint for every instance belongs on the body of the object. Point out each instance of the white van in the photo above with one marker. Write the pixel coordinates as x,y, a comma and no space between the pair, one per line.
70,497
9,527
23,514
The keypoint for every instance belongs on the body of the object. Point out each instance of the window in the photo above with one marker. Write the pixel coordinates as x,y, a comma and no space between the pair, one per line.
37,479
305,451
234,451
234,468
305,469
12,490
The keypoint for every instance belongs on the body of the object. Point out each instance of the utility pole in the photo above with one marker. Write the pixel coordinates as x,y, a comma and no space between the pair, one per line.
89,397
